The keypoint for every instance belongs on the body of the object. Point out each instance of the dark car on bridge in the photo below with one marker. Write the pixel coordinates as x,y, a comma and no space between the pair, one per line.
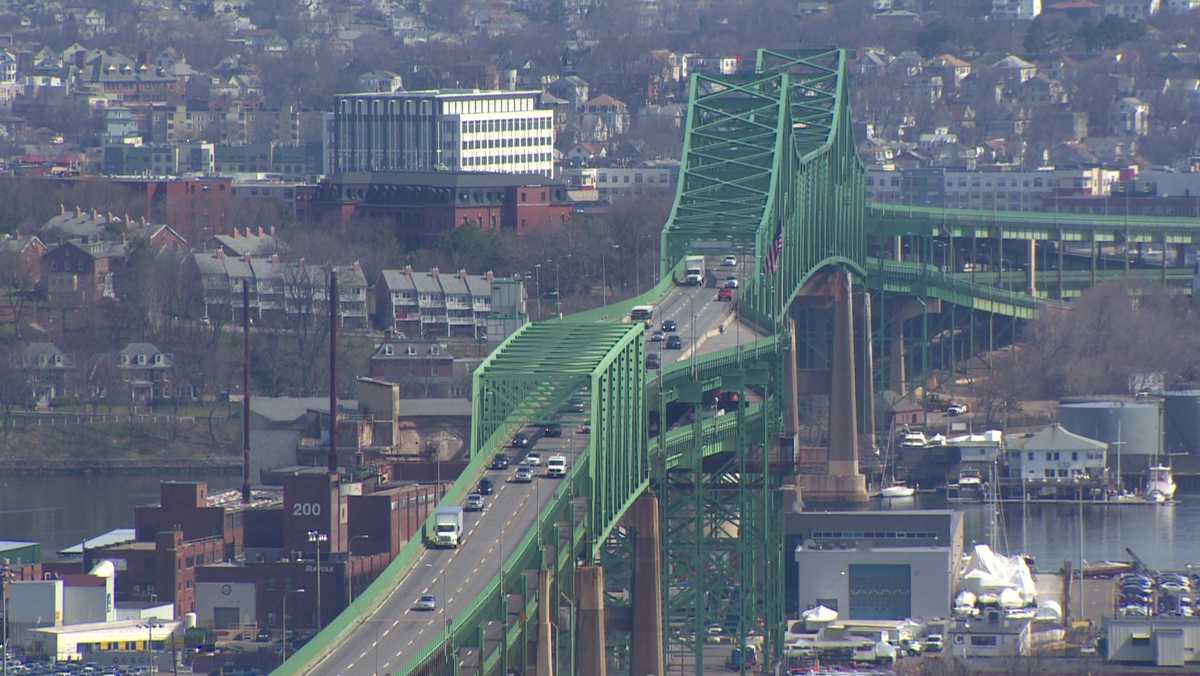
669,325
674,343
500,461
485,486
552,429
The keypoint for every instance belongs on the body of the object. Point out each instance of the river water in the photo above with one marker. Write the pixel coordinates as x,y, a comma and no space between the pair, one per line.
1165,536
60,510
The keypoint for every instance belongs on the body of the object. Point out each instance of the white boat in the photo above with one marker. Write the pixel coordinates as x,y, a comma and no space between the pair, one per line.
1160,485
898,490
969,478
913,440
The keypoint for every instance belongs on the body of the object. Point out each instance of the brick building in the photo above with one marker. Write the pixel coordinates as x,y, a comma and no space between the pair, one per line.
81,273
21,259
421,206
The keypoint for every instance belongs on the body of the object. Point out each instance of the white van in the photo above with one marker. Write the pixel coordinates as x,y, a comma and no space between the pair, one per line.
556,466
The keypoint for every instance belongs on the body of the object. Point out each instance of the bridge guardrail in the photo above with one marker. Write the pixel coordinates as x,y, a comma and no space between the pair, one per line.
619,310
939,216
910,276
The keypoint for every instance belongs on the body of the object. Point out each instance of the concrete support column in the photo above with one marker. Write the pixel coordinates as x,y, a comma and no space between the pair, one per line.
897,353
843,404
866,373
647,657
589,647
545,635
1031,278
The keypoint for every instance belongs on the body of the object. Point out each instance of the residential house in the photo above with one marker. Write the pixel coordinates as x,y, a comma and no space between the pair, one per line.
8,66
146,371
1131,117
952,69
1013,67
81,273
1041,91
88,226
21,258
571,88
1056,454
424,369
1020,10
1132,10
48,371
445,304
246,243
380,81
716,65
612,110
561,107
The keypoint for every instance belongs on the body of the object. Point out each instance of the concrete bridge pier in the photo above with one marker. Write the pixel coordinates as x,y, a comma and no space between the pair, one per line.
900,311
589,646
647,656
842,481
1031,275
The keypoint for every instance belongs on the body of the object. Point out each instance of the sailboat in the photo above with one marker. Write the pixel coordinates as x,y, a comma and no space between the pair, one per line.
892,488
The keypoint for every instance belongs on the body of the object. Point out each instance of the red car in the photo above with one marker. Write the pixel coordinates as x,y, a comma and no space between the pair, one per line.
725,294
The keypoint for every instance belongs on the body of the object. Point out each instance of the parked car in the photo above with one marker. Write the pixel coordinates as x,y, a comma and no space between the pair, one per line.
933,643
956,409
262,637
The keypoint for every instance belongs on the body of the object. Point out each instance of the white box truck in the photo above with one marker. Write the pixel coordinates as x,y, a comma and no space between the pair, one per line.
693,270
448,526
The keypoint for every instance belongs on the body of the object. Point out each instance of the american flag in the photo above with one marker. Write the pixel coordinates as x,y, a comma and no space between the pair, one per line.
771,264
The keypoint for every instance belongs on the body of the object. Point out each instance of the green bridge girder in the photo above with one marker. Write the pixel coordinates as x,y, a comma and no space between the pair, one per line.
768,157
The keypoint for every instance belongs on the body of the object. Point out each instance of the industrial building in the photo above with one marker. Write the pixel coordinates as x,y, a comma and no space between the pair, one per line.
1135,425
1161,641
443,130
874,565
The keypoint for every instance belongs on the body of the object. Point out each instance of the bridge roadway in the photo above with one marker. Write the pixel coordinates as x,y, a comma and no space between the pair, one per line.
683,302
395,633
392,636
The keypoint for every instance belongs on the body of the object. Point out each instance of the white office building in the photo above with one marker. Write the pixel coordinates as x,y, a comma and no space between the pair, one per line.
1025,10
443,130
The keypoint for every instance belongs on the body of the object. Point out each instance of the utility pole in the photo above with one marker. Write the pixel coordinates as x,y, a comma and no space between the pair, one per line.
318,538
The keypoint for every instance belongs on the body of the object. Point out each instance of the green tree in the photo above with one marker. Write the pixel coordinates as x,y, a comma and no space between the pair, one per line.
934,38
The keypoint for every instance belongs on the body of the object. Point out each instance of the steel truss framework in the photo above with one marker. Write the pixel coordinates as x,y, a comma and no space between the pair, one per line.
768,157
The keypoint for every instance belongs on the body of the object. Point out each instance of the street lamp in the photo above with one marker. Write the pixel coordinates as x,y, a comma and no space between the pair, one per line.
604,274
317,538
150,625
350,554
537,276
283,617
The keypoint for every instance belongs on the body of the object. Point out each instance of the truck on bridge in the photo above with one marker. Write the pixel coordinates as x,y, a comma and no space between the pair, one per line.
448,526
693,270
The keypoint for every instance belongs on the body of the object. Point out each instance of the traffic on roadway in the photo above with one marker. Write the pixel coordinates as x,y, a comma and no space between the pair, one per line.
446,581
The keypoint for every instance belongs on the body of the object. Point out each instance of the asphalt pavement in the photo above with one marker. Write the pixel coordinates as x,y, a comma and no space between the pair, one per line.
395,633
698,307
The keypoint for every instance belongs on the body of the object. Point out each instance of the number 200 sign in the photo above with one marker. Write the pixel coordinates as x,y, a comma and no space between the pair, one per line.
306,509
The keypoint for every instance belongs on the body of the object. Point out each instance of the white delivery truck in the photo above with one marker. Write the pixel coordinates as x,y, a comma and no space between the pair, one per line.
448,526
693,270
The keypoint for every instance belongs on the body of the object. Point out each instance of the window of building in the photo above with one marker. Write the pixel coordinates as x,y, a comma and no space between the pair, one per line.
984,641
1049,473
1062,473
1074,456
1030,455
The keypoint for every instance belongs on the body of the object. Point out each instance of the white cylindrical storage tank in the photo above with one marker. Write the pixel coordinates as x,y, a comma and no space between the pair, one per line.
1137,424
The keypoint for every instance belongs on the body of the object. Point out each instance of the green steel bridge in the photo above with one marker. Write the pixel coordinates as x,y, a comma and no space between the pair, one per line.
669,522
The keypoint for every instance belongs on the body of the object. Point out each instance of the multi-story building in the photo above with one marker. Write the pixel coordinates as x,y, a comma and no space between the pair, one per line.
159,159
1054,454
422,206
48,371
1132,10
1023,10
447,304
424,369
443,130
1131,117
81,273
277,290
999,190
21,259
146,372
614,182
